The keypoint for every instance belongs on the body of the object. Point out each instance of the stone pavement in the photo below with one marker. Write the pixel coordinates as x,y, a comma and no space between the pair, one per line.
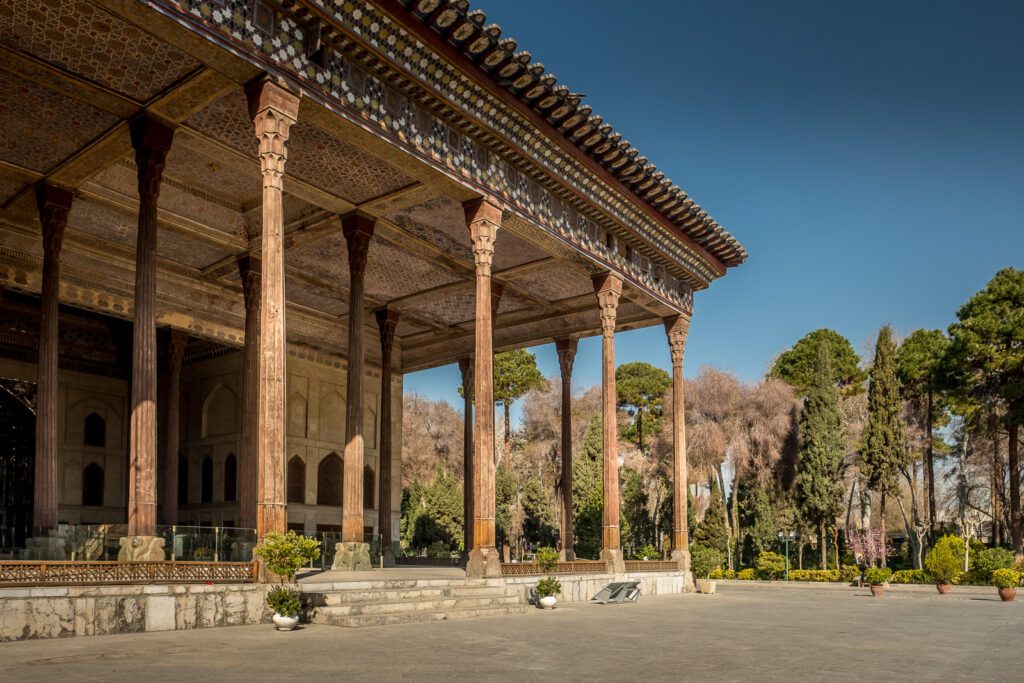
736,635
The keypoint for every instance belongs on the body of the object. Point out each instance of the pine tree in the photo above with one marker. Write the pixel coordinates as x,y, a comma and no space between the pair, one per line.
640,388
712,531
588,492
634,510
820,465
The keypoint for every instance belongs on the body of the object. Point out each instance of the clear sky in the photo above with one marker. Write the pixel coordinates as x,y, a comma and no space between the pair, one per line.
869,155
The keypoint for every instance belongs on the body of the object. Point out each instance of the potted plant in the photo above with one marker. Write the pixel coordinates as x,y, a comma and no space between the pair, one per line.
1006,580
945,562
284,555
703,561
548,588
287,607
878,578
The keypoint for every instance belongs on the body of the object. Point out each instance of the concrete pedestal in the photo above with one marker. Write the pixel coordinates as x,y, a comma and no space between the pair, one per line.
612,557
351,557
483,563
682,557
389,556
141,549
46,548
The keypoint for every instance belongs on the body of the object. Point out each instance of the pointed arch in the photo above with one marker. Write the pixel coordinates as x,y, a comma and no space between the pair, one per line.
206,483
92,485
230,478
332,418
220,412
296,480
297,415
329,476
368,487
94,431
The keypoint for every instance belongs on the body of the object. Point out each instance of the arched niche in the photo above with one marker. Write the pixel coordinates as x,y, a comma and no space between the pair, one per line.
329,476
230,478
220,412
297,416
332,418
92,485
296,485
206,480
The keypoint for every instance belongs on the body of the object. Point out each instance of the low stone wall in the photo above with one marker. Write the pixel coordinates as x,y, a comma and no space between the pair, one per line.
582,587
57,612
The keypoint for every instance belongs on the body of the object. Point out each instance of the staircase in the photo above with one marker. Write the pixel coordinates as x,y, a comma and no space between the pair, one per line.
379,603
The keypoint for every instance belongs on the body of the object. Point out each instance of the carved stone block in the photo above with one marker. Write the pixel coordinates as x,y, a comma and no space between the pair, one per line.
351,557
141,549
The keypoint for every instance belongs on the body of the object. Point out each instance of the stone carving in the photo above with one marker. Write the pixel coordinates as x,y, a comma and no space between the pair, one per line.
351,557
141,549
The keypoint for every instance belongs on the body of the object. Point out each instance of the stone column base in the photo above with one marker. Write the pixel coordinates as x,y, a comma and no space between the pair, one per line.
45,548
567,555
389,555
682,558
351,557
612,557
483,563
141,549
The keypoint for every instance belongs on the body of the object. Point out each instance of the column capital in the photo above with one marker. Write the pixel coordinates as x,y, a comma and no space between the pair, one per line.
357,227
387,323
151,140
54,206
608,288
566,350
676,328
466,370
483,216
273,110
176,343
249,269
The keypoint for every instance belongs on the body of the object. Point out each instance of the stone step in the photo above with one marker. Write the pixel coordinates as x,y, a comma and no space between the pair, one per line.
360,620
417,605
342,597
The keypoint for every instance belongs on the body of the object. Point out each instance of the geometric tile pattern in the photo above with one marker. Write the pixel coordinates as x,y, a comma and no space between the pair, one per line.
227,120
8,188
556,282
510,251
392,272
325,259
42,127
86,40
450,310
212,175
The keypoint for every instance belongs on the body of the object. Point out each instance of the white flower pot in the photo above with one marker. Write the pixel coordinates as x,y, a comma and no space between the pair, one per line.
548,602
706,586
285,623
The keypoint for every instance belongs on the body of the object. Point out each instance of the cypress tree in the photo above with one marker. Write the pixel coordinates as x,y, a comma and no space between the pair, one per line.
712,531
588,492
820,464
884,449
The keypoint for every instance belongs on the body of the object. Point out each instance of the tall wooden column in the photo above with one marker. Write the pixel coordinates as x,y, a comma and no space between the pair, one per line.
172,439
387,322
249,268
566,350
466,368
273,111
484,219
151,140
677,327
608,288
358,229
54,205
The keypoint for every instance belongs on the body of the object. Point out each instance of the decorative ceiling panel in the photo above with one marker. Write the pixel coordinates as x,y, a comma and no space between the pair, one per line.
325,259
8,188
406,328
227,120
214,177
42,127
510,251
300,293
82,38
392,272
510,303
325,161
561,280
440,221
451,310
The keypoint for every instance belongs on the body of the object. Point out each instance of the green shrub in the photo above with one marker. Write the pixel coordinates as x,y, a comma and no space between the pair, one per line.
876,576
1005,578
547,559
647,552
439,549
704,560
745,574
770,565
849,573
988,560
729,574
716,573
285,554
911,576
548,586
946,560
284,601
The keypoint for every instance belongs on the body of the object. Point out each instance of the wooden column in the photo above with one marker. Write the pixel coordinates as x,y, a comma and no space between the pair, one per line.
566,350
387,322
466,368
172,440
273,111
151,141
54,205
677,327
608,288
249,268
484,219
358,229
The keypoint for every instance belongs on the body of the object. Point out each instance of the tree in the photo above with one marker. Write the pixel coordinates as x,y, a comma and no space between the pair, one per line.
820,464
640,388
884,450
987,358
431,439
588,492
919,368
796,366
515,374
634,509
712,530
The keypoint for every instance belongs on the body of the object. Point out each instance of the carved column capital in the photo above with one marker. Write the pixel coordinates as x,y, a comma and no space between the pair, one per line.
483,217
566,350
176,344
358,229
249,269
151,140
466,369
273,110
54,206
677,327
387,323
608,288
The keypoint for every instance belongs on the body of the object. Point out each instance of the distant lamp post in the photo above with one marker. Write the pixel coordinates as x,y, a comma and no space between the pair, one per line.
786,537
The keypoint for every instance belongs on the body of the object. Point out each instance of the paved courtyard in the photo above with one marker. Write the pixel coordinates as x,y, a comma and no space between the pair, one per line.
768,634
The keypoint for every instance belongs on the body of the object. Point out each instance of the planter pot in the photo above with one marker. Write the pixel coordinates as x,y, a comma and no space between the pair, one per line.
706,586
877,590
944,588
1007,594
548,602
285,623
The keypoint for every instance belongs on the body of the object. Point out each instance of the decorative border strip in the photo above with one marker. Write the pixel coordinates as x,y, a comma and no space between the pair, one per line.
71,573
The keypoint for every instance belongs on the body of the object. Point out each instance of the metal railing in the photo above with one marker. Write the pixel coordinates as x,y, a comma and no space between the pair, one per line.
69,573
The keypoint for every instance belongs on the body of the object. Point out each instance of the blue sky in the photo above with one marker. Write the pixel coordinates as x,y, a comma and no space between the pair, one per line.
869,155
